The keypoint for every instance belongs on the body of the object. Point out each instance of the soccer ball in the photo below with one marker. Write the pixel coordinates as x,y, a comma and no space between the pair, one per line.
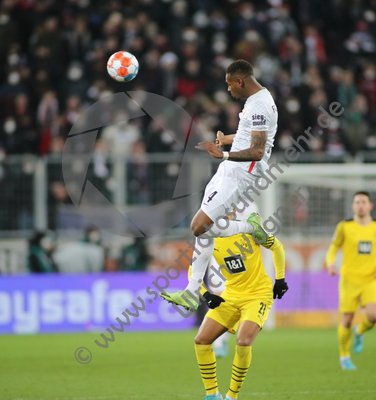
122,66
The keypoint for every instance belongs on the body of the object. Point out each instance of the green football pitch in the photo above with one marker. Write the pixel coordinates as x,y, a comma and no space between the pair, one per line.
287,364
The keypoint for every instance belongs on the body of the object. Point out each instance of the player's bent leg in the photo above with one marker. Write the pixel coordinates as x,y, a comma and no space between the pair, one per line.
371,313
368,322
344,339
203,251
204,245
243,356
218,225
347,319
247,333
200,223
208,332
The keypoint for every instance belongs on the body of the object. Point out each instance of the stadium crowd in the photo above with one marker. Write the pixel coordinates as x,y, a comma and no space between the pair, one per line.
53,57
53,66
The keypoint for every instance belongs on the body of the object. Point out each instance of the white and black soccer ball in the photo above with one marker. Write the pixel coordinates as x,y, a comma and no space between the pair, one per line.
122,66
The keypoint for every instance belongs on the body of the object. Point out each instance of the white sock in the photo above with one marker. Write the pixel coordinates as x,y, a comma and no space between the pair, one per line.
200,259
229,398
342,358
225,228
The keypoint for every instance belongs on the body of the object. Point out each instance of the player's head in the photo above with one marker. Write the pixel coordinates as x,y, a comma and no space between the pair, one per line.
239,75
362,205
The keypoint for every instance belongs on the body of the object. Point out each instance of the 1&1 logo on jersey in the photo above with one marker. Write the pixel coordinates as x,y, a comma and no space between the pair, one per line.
364,247
234,264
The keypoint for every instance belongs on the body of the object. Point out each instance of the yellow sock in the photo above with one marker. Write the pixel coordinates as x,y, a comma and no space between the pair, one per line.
344,335
208,367
242,361
364,326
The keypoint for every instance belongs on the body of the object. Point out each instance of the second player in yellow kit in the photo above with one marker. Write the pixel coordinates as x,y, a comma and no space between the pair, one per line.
357,285
245,303
357,282
249,290
247,299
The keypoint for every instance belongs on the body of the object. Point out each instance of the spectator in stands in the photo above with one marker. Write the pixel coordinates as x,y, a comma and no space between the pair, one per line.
87,255
368,88
58,196
356,127
63,49
41,248
191,79
135,257
78,40
314,44
347,89
165,79
120,136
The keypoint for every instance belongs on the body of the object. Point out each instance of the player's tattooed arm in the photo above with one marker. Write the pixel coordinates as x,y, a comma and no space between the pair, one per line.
255,152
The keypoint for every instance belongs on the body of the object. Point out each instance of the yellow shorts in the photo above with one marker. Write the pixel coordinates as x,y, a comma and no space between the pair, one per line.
233,311
350,294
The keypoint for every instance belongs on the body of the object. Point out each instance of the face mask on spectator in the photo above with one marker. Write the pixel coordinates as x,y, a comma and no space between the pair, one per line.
14,78
46,244
284,141
4,19
94,237
28,167
190,35
166,137
10,126
75,73
13,59
292,106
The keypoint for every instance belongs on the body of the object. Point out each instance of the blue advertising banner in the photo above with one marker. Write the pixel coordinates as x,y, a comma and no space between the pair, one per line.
89,302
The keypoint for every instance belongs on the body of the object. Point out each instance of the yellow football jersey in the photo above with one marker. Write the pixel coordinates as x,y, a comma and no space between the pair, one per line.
359,250
241,264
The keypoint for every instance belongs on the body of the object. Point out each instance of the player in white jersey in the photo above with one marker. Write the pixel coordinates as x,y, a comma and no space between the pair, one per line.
249,155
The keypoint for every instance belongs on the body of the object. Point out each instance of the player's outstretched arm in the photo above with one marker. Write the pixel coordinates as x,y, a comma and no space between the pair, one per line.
280,285
337,241
254,153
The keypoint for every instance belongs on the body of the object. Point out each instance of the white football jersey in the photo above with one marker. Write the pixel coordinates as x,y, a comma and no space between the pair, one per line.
259,114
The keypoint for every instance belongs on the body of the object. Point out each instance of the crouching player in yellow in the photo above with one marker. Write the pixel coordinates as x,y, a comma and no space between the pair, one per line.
245,302
357,282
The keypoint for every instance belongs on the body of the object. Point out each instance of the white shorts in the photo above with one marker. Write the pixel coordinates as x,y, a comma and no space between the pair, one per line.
227,188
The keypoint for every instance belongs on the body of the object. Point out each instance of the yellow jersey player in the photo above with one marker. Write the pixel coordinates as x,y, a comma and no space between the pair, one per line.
217,286
357,237
245,302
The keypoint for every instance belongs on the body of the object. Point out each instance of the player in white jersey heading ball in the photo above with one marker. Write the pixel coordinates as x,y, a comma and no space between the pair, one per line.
249,154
